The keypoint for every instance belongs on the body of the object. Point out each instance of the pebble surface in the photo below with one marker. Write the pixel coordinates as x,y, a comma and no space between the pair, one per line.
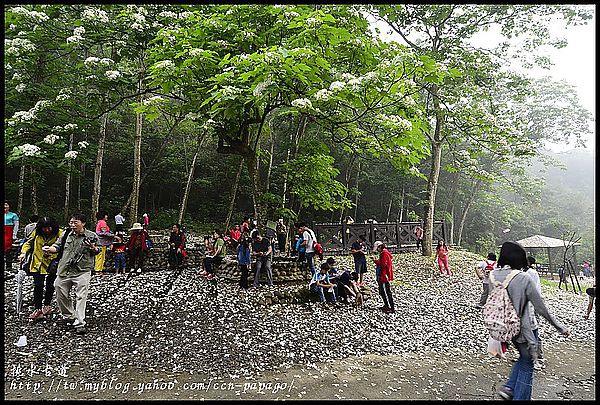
175,321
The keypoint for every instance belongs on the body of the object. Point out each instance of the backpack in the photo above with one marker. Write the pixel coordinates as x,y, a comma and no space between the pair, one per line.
499,315
489,266
317,247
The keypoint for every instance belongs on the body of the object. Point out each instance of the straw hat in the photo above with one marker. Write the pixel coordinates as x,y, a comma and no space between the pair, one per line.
136,227
376,245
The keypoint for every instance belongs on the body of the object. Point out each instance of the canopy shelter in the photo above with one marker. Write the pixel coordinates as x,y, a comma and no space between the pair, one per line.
534,242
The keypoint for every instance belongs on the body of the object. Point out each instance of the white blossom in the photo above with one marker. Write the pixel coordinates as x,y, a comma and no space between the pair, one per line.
83,144
322,95
414,170
18,46
112,74
196,51
192,116
137,26
291,14
302,103
36,15
20,88
311,22
72,154
29,150
106,61
62,97
348,76
168,14
69,127
50,139
153,100
95,15
260,87
165,64
337,86
91,61
185,15
230,91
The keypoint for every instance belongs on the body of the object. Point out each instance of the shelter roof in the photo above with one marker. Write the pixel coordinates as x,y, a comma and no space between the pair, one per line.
540,241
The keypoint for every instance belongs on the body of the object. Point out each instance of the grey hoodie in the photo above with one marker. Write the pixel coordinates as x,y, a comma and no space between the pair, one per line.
521,291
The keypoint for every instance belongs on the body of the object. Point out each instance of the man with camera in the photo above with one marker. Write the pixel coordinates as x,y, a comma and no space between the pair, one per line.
75,270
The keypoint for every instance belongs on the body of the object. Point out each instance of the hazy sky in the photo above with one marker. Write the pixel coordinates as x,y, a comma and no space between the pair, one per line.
575,63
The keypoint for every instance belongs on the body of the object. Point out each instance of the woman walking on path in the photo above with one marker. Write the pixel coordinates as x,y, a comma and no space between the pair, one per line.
521,291
105,238
441,257
46,233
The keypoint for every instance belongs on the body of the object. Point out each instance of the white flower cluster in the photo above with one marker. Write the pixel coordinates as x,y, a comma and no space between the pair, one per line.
260,87
302,103
95,15
192,116
29,150
83,144
106,61
70,127
414,170
403,150
72,154
77,35
17,76
165,65
311,22
195,52
35,15
222,42
185,15
168,14
395,121
30,115
230,91
322,95
91,61
50,139
20,88
18,46
112,74
209,124
153,100
291,14
337,86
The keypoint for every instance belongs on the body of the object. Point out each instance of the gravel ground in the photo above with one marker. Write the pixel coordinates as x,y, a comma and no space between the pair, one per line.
176,326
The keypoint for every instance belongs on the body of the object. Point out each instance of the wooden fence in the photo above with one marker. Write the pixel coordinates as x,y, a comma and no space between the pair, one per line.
398,236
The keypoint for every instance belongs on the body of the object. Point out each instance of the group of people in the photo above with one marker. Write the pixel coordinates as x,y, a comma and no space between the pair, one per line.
515,272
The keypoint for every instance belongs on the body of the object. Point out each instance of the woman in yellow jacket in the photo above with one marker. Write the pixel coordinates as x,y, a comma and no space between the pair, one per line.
46,233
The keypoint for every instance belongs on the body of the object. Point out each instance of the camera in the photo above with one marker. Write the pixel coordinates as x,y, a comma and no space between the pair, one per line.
88,240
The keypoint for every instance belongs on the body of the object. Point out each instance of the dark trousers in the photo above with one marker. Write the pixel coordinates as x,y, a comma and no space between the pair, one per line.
39,280
419,242
281,243
484,294
244,278
136,258
175,259
386,294
210,261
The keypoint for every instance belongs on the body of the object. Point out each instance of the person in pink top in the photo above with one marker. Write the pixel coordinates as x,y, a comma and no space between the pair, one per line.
441,257
105,238
146,220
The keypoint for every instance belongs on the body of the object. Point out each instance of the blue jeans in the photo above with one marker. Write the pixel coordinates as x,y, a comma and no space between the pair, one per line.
320,291
120,261
310,258
520,380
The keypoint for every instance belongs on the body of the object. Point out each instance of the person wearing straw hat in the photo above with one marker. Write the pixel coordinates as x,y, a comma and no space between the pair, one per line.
137,247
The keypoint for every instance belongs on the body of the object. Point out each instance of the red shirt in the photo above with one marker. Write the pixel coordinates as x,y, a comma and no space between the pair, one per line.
385,265
235,235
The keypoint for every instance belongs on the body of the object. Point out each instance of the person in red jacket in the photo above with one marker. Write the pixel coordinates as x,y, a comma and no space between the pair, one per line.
385,275
137,247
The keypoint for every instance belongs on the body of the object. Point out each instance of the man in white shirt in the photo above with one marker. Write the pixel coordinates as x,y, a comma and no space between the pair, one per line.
483,272
309,239
119,221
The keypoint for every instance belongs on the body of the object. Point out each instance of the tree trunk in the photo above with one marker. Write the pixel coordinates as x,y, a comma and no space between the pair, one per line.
98,165
233,194
270,168
21,189
432,183
356,199
68,184
452,226
387,219
34,200
470,201
188,185
137,162
255,182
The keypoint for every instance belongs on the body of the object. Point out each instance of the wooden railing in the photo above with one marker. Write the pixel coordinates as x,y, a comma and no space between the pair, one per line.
398,236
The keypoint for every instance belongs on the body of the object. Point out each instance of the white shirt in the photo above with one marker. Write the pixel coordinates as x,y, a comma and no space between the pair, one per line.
119,219
482,266
308,237
536,279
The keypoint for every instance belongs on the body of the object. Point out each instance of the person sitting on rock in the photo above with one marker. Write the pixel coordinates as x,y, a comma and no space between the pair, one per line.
333,275
216,257
321,285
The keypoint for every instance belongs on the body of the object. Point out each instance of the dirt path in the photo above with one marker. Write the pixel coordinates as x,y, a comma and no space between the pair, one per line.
570,374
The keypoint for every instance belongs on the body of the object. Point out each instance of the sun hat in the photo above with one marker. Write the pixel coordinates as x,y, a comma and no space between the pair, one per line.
136,227
376,245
